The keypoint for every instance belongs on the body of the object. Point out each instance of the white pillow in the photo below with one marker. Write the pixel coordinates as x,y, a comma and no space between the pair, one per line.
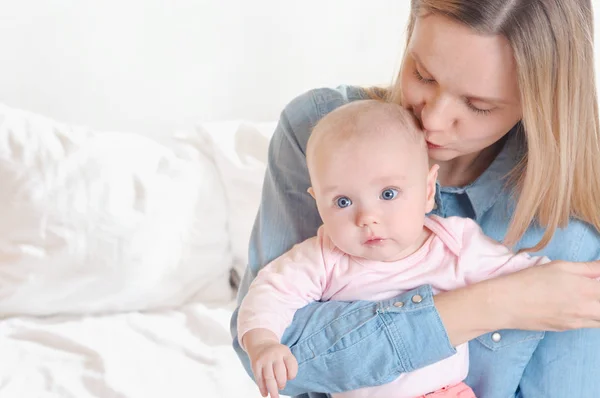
240,153
95,222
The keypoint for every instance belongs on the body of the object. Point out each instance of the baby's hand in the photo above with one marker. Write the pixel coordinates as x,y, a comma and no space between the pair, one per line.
272,363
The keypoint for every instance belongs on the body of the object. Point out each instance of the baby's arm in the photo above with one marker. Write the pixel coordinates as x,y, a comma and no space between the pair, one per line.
289,283
483,258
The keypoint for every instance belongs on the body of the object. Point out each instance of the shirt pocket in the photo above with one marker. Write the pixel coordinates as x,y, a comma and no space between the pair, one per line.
507,338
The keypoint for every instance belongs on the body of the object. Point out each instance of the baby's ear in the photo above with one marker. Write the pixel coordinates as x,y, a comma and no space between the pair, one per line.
311,191
431,187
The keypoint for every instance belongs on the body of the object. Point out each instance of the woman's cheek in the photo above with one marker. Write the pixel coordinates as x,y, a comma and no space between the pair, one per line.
410,92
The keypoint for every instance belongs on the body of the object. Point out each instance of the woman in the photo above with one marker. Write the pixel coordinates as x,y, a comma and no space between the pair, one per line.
505,92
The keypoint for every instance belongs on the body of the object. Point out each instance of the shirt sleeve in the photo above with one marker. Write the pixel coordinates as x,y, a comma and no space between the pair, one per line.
340,346
481,257
285,285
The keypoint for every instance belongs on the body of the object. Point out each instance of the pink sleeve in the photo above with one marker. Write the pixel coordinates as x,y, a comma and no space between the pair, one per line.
283,286
482,258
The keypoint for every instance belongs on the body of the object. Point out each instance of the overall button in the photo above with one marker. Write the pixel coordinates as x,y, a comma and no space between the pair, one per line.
399,304
417,298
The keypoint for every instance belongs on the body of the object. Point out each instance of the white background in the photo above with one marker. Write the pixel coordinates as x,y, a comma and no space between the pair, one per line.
155,66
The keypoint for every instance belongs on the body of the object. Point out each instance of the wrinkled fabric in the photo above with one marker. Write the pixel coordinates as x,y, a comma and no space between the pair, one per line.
99,222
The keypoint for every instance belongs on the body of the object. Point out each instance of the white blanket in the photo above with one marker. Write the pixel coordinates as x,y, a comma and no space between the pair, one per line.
179,353
115,253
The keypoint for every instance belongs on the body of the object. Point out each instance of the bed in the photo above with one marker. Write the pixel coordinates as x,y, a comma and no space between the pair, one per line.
119,256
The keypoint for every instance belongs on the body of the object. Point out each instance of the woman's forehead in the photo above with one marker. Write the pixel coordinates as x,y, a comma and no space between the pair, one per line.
464,60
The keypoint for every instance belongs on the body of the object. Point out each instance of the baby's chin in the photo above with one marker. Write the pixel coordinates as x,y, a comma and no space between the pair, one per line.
380,254
382,258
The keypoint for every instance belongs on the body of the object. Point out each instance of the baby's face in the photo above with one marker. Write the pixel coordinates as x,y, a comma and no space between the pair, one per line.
373,194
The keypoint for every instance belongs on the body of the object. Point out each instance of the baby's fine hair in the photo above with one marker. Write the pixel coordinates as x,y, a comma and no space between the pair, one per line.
365,118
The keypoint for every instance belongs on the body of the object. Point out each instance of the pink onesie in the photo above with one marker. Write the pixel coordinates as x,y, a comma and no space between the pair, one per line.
456,254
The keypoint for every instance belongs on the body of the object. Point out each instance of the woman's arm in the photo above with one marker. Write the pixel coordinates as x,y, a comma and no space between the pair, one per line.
556,296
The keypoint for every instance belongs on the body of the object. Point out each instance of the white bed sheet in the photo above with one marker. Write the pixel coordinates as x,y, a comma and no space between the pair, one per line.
109,223
175,353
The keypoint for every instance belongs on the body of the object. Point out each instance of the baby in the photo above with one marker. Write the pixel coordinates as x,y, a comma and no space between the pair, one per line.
373,187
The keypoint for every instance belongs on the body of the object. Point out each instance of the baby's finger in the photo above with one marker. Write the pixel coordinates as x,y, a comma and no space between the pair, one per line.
270,381
260,381
291,365
280,374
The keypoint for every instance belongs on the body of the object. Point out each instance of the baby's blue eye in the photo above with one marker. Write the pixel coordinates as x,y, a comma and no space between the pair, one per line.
343,201
389,194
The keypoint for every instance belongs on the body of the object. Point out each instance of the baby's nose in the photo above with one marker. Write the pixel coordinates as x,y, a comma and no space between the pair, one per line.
366,218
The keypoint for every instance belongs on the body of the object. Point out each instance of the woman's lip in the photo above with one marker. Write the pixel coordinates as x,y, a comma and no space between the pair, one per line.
432,146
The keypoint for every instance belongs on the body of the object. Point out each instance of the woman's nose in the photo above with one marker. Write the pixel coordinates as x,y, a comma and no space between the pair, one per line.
437,114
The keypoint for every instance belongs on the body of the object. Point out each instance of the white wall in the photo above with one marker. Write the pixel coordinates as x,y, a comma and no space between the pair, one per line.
154,66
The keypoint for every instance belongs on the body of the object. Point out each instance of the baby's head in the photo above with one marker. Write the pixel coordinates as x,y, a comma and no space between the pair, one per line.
371,179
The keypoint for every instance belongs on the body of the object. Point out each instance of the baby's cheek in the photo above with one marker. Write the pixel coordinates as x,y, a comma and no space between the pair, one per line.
344,235
410,225
333,223
338,232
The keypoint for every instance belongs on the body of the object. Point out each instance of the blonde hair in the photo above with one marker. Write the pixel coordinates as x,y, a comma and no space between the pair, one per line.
552,42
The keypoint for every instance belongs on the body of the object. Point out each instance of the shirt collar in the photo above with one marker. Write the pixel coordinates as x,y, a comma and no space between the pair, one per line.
487,188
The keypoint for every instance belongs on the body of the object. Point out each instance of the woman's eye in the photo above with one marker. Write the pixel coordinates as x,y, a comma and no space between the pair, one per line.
389,194
421,78
478,111
342,202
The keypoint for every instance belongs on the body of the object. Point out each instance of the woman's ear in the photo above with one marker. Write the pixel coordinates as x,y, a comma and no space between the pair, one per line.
431,184
311,191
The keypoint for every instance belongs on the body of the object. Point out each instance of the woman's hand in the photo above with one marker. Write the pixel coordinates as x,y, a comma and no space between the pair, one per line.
556,296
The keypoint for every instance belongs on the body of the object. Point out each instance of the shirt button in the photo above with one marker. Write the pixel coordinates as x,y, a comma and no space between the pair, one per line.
399,304
417,298
496,337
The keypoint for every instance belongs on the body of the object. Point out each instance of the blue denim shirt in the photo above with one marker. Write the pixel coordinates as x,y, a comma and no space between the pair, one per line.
342,346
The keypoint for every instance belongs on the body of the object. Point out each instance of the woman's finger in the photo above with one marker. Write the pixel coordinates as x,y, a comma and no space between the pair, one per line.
594,312
590,269
591,289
